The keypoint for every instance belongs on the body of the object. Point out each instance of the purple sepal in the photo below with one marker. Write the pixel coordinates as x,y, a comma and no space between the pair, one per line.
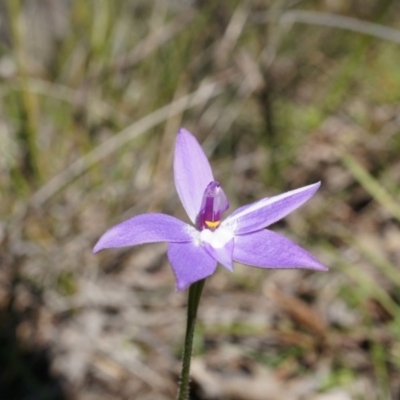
145,228
190,263
192,172
267,249
265,212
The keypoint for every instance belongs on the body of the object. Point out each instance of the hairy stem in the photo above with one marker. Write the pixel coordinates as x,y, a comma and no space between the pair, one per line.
193,304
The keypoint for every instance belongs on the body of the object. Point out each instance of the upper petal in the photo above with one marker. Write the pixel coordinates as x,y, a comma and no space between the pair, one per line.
265,212
267,249
145,228
192,172
190,263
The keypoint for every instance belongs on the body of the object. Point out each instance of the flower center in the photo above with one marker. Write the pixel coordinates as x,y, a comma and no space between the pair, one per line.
214,204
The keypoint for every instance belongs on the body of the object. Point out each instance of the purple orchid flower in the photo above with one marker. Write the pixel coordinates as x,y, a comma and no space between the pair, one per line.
194,251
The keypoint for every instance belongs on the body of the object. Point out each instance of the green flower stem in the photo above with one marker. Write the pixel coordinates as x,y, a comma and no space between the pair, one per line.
193,304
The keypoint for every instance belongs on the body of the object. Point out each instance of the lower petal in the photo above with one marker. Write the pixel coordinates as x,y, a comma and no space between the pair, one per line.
223,254
267,249
219,244
190,263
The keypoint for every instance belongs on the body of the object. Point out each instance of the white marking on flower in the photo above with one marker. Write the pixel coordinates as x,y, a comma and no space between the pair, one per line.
218,238
194,234
229,224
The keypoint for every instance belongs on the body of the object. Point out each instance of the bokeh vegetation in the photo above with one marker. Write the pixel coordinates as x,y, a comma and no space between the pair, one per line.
281,94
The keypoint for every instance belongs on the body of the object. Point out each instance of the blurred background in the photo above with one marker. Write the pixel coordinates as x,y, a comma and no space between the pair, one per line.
281,93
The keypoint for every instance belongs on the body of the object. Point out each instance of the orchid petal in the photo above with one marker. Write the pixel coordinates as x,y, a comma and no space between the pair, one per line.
190,263
267,249
219,244
146,228
192,173
265,212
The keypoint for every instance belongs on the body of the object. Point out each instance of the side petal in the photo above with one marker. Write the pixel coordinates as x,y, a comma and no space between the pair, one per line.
146,228
190,263
192,172
267,249
265,212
